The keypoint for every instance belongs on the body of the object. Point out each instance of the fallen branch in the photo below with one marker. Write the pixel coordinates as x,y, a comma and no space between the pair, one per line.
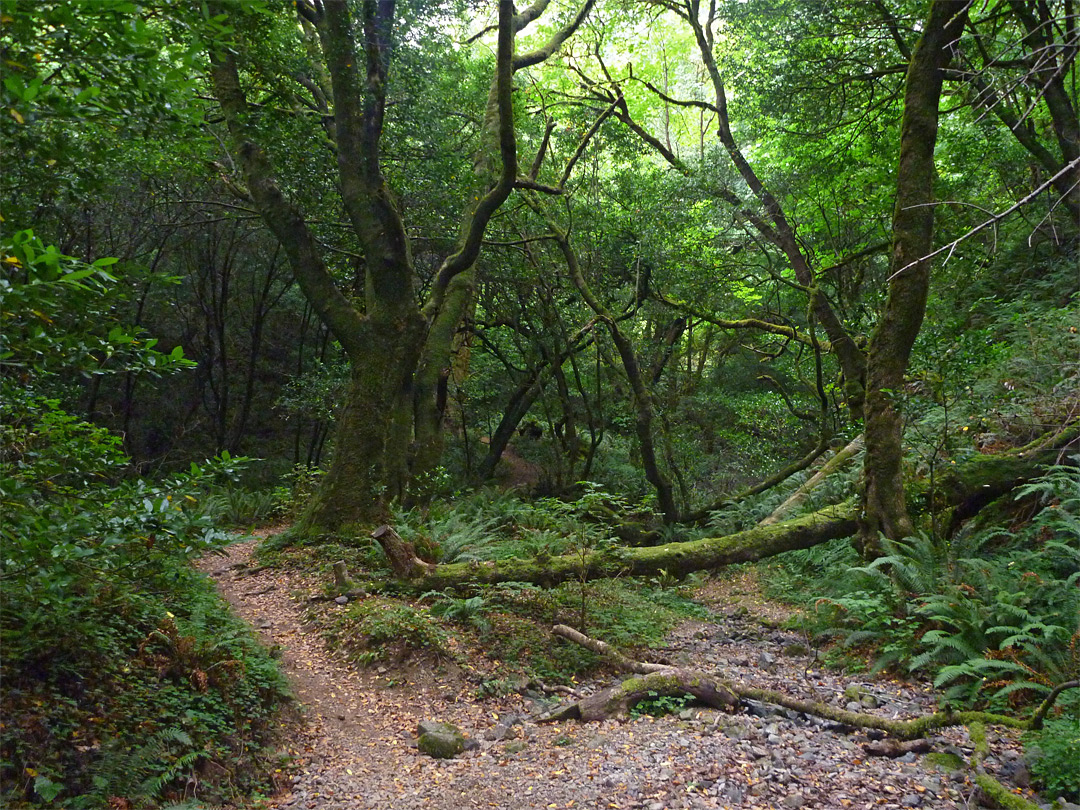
667,680
607,651
1048,704
842,456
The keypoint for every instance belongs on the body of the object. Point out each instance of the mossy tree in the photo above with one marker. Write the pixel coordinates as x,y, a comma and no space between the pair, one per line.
389,429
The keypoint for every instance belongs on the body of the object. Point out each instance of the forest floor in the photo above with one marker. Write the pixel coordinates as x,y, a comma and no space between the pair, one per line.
354,742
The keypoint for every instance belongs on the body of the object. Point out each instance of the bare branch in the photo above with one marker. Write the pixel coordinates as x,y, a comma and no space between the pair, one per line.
951,246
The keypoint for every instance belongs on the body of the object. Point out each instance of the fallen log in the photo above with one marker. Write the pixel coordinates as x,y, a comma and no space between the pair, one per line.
844,455
969,487
611,699
619,699
677,559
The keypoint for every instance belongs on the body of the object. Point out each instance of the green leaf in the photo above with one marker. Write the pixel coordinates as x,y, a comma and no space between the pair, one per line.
47,789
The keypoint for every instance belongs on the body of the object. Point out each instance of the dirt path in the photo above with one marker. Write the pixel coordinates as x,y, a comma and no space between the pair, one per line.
356,746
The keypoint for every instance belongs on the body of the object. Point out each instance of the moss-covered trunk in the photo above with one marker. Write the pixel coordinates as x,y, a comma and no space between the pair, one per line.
369,467
884,507
674,558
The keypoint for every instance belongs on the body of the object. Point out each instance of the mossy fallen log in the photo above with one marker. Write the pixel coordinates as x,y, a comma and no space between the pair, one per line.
981,480
676,559
714,691
619,699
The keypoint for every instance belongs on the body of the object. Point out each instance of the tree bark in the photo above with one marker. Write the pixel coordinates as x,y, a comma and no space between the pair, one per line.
402,555
884,507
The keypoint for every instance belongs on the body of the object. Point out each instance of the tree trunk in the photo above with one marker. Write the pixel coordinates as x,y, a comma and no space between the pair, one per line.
432,379
382,423
884,508
371,438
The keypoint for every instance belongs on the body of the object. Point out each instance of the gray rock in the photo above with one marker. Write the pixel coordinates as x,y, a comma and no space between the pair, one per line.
735,794
342,600
441,745
911,800
794,801
869,701
853,706
498,732
767,662
1019,774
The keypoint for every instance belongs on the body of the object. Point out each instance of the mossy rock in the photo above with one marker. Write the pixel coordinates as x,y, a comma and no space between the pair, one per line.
947,761
443,740
854,692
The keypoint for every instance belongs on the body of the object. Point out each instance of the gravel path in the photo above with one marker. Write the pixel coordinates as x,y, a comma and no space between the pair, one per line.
355,747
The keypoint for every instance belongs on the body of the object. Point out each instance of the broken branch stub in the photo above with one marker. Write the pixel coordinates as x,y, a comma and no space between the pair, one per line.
401,554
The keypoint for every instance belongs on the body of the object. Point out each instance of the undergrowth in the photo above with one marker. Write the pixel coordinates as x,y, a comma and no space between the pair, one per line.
991,616
166,698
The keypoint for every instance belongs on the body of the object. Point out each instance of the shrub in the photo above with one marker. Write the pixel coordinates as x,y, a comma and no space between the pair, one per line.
1054,753
378,629
109,636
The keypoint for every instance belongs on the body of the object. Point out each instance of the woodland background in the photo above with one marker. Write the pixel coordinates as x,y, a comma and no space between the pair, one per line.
647,266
